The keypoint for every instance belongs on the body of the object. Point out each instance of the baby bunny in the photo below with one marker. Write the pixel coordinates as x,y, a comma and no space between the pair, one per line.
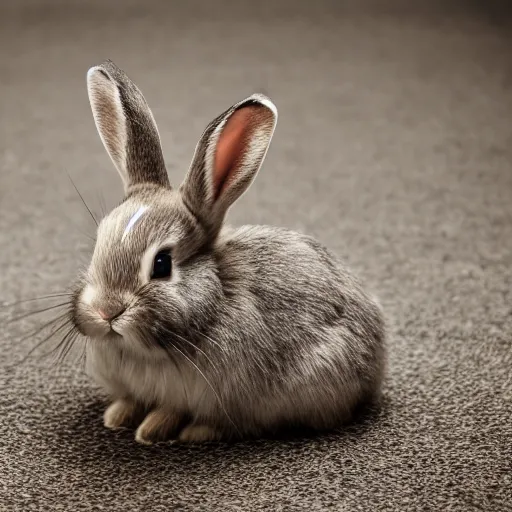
200,332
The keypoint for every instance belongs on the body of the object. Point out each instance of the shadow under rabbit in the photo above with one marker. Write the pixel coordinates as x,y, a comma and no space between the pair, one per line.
83,434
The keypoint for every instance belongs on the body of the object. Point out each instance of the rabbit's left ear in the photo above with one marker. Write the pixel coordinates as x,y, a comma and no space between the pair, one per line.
228,157
126,126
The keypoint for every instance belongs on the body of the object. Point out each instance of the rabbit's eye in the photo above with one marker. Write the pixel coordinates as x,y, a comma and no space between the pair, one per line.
162,266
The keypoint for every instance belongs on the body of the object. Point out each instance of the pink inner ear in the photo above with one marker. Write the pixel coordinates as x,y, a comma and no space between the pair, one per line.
231,148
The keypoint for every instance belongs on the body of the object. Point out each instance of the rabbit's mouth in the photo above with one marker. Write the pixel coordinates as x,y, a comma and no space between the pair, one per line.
93,325
98,315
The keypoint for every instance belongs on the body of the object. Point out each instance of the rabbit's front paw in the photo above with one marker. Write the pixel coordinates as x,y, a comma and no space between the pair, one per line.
158,426
198,434
122,413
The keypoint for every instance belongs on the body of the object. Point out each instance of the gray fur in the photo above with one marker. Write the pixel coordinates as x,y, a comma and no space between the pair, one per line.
258,328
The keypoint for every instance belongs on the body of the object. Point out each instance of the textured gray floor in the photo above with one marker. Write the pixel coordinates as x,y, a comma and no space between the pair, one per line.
394,148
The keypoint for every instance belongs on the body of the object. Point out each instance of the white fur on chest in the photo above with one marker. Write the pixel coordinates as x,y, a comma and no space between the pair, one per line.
152,381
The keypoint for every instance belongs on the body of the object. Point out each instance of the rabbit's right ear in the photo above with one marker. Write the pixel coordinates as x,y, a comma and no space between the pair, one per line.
126,126
227,158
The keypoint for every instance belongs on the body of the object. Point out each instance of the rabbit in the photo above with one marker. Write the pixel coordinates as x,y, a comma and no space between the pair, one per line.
197,331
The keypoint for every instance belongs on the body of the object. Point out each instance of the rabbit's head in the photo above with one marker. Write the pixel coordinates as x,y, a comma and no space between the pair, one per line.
152,276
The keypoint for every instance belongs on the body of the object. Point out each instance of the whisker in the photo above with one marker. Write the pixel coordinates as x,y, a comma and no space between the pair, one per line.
92,238
43,341
61,345
68,346
149,345
42,328
178,367
103,206
37,311
83,200
34,299
83,355
211,387
210,339
196,348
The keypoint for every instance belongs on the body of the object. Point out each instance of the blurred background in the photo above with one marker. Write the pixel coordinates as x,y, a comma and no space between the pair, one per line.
393,147
387,109
382,106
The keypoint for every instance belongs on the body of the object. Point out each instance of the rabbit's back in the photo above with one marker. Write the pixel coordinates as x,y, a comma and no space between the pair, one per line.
292,276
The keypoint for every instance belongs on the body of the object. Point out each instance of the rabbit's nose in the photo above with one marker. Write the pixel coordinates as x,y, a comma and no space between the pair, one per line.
108,314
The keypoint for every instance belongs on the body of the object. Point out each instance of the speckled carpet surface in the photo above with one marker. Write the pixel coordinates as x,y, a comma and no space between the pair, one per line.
393,147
